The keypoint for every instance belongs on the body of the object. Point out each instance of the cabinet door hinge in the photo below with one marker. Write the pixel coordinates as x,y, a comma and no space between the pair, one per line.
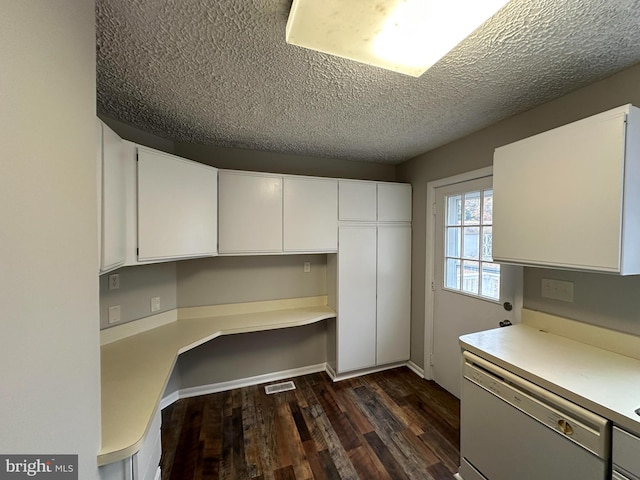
431,359
433,286
433,209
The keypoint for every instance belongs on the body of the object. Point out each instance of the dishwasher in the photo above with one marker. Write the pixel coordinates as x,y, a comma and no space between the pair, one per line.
512,429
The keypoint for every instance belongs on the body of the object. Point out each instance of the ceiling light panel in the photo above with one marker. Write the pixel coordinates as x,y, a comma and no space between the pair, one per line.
407,36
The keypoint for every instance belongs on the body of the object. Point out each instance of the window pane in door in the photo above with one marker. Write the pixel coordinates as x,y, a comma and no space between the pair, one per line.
468,255
452,273
452,249
470,276
472,208
491,280
487,207
454,210
471,242
487,243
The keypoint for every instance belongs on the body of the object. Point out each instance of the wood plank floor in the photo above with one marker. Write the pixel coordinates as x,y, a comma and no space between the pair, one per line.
387,425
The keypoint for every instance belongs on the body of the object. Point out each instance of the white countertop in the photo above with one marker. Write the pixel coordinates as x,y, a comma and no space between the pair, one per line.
136,369
602,381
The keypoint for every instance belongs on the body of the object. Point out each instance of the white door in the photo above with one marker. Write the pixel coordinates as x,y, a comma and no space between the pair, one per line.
470,291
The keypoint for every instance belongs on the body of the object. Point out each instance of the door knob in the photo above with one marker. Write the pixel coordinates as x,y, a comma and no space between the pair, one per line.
507,306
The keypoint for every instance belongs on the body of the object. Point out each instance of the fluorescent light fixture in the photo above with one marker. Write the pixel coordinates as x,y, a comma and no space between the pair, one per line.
407,36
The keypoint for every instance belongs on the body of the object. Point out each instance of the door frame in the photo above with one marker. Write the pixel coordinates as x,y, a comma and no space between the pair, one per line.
430,260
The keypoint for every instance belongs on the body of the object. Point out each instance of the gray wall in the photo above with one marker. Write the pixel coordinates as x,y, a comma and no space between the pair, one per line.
49,342
219,280
249,354
243,159
137,286
476,151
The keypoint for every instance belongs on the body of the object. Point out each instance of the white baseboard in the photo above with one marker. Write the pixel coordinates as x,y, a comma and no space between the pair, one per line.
365,371
415,369
169,399
281,375
242,382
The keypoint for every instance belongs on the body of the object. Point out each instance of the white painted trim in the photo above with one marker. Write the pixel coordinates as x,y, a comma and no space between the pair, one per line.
250,381
158,474
429,275
331,372
169,399
113,334
366,371
415,368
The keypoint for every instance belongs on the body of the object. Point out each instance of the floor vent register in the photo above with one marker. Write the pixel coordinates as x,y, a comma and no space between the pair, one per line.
279,387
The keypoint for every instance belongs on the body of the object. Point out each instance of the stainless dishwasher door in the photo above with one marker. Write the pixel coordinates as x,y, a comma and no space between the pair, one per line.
512,429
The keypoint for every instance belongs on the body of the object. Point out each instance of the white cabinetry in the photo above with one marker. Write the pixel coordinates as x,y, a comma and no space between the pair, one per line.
274,214
394,202
111,201
367,201
357,201
394,293
310,215
250,212
373,271
570,197
173,207
356,298
624,450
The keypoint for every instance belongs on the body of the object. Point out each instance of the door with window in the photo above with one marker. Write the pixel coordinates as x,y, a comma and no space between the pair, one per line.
471,292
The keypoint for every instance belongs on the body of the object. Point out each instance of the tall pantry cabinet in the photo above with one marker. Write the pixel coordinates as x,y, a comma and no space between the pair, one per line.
372,294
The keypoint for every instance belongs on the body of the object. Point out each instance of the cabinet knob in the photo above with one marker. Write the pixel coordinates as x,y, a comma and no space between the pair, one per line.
507,306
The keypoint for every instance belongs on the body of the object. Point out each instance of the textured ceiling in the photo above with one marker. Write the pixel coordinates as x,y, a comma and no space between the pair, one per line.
220,72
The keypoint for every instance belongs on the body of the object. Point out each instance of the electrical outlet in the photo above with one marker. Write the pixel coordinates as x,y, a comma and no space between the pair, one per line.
307,267
114,281
557,289
114,314
155,304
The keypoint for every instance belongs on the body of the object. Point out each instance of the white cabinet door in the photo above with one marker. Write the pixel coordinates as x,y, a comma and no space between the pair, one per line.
394,294
565,198
177,207
394,202
357,201
112,200
250,212
356,323
310,215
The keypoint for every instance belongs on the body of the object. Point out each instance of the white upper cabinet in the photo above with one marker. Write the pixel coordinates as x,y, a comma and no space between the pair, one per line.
357,201
275,214
112,205
394,202
310,214
176,207
250,212
570,197
368,201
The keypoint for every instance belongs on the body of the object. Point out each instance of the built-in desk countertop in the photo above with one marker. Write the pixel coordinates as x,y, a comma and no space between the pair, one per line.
571,359
136,368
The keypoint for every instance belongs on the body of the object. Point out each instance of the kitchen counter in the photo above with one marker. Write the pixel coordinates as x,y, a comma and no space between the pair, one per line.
136,368
603,381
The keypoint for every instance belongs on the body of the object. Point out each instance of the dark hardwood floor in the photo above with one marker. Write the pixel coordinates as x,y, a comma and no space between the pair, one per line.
387,425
